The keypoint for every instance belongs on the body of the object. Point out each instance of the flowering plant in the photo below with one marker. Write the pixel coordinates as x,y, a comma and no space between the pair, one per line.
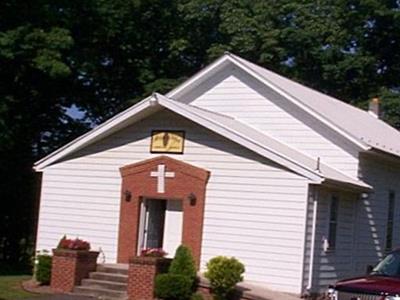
153,252
70,244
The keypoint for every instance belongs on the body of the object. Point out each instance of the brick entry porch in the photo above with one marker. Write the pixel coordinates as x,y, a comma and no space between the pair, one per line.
161,179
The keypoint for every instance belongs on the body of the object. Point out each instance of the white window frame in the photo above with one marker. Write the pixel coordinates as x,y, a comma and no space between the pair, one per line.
390,220
332,222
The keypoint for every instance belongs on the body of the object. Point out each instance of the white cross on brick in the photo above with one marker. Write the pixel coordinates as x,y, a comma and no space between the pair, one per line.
160,174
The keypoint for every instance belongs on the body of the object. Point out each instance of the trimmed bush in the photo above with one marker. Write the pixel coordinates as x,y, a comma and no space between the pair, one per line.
173,287
224,273
183,263
43,269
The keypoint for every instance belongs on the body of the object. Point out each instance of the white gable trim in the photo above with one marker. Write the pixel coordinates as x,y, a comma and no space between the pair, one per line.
155,102
207,71
159,100
228,57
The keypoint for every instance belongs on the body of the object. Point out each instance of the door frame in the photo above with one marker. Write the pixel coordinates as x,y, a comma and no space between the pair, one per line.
143,221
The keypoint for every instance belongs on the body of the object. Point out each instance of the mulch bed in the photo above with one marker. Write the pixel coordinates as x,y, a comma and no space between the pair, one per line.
35,287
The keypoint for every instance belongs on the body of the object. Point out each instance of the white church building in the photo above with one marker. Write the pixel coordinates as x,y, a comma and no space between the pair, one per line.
238,161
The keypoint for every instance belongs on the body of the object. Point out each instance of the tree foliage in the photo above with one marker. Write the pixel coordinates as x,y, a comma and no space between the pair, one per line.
183,263
99,56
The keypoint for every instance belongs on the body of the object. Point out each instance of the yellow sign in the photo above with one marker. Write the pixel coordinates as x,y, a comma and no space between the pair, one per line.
167,141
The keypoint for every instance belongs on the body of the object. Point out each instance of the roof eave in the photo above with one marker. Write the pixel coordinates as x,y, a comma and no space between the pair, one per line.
383,154
354,186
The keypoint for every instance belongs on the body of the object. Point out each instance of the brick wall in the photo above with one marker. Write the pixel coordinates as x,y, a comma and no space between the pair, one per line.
141,275
69,267
188,180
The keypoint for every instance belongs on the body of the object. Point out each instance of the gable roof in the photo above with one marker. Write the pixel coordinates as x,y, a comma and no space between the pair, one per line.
359,123
356,125
228,127
263,144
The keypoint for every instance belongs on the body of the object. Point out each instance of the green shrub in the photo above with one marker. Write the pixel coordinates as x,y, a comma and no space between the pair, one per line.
43,269
183,263
173,287
224,273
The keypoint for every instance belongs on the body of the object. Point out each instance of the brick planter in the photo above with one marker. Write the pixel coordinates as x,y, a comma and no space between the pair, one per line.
141,275
69,267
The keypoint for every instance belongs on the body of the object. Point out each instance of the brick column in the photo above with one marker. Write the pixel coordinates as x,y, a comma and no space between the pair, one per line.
69,267
141,275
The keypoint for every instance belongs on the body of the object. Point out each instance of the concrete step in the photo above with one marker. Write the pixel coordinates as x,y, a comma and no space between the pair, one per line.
104,284
109,277
100,293
113,268
112,298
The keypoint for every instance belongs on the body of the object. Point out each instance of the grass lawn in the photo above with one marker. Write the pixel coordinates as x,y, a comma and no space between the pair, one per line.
10,287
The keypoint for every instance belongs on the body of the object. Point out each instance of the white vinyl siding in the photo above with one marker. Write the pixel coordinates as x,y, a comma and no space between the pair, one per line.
361,226
234,93
384,176
337,263
333,222
254,208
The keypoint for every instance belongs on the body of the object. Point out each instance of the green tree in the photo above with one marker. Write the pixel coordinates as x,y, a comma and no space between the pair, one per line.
33,74
348,49
101,56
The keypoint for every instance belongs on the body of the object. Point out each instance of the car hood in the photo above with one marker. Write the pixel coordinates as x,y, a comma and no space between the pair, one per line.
373,284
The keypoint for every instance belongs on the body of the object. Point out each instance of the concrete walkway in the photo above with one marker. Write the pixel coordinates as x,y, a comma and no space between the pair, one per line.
40,292
248,291
251,291
255,292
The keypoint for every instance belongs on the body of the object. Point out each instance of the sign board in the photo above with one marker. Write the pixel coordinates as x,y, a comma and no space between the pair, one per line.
169,141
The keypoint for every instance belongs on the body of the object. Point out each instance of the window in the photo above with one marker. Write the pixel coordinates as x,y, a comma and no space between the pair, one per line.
389,266
389,225
333,218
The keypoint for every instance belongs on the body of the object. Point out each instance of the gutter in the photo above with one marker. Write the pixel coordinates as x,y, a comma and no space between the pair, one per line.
313,234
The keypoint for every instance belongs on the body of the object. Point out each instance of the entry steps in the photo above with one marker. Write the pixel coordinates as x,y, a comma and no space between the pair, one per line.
109,282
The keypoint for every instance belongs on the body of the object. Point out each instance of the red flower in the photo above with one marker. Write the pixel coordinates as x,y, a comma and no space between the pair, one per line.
153,252
76,244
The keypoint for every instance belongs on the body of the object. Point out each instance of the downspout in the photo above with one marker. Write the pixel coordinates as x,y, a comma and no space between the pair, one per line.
313,233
